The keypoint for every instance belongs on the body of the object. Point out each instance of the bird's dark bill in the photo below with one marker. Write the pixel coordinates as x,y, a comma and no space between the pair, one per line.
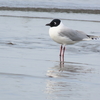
48,24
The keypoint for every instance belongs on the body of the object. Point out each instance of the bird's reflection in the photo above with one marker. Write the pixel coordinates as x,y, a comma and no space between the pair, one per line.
67,69
65,80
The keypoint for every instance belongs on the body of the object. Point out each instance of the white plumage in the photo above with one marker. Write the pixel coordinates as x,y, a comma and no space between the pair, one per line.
65,36
56,33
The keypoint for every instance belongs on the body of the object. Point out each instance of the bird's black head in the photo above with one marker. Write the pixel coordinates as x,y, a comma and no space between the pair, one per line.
54,23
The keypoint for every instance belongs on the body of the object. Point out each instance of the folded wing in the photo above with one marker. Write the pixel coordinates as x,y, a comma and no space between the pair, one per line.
76,35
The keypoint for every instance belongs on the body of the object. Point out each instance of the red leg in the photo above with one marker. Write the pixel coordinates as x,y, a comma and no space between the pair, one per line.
60,50
63,51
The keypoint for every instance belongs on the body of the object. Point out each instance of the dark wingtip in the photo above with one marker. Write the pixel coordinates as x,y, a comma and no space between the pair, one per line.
93,37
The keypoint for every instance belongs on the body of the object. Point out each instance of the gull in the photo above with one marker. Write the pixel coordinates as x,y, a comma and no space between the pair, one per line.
66,36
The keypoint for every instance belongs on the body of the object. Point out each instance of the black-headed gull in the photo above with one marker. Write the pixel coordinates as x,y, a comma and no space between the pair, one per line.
65,36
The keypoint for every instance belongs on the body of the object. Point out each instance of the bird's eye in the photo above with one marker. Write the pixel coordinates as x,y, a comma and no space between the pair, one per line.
55,23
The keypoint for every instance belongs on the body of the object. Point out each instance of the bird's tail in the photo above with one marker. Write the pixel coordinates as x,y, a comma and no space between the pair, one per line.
92,37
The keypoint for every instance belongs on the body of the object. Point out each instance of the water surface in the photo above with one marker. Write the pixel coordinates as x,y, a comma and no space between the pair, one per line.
29,59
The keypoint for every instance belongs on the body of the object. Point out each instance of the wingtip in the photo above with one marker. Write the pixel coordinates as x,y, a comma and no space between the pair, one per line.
92,37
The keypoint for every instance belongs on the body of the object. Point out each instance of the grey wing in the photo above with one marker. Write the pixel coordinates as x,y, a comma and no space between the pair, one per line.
74,35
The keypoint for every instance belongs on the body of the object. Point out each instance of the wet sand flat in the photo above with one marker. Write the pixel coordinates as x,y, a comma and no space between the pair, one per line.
29,59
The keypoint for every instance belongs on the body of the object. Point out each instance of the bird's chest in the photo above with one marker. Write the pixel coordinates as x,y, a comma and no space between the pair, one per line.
54,34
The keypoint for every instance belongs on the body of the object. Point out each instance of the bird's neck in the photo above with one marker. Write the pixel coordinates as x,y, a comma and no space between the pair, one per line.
61,25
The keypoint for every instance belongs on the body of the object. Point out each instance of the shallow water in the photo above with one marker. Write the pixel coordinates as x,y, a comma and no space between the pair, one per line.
29,61
68,4
75,6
